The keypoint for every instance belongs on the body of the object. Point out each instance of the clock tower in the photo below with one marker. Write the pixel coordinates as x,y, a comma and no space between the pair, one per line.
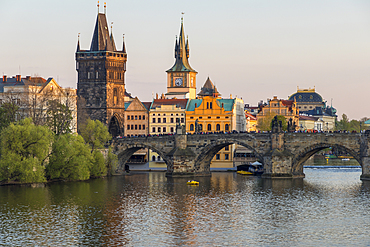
181,78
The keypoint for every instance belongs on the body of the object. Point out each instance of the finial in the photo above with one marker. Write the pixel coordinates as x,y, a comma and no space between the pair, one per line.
182,17
79,36
98,7
111,27
105,6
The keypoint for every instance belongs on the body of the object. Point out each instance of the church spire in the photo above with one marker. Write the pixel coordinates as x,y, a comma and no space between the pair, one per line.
181,52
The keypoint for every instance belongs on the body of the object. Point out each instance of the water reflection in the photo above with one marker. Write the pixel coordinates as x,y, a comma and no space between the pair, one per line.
328,206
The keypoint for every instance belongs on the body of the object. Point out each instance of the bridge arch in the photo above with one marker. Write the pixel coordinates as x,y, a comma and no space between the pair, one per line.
127,151
305,153
204,158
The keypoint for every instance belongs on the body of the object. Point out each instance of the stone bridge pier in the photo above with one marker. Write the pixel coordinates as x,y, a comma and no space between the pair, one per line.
365,144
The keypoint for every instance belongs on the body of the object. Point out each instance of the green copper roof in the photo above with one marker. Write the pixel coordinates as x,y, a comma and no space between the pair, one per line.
181,54
227,103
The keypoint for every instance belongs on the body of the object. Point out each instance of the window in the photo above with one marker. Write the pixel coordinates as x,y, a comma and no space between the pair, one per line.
128,117
177,120
227,148
172,120
128,127
164,120
226,127
182,120
139,127
210,105
143,117
217,156
136,126
159,129
153,129
209,127
132,126
97,74
115,96
191,117
191,127
153,120
209,117
135,117
164,129
226,156
153,158
159,120
139,117
132,117
159,158
207,105
143,126
218,127
171,129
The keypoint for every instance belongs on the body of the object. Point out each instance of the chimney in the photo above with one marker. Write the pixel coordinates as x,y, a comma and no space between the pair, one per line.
4,78
18,77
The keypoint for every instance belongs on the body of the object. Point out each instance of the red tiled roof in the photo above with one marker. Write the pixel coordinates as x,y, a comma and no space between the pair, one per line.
287,102
247,114
178,102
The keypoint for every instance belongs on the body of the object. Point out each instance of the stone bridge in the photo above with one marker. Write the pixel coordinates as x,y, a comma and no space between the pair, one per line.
282,154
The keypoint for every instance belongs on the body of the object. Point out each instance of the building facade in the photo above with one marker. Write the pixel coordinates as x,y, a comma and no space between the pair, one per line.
33,95
101,78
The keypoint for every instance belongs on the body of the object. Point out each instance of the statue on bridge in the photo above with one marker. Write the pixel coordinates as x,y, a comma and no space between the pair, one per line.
276,125
291,125
196,126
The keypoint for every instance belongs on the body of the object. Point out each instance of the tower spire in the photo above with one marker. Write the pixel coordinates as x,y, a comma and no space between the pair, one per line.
123,44
78,43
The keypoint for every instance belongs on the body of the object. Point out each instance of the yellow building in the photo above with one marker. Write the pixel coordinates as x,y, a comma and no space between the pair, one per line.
210,113
163,116
275,106
251,122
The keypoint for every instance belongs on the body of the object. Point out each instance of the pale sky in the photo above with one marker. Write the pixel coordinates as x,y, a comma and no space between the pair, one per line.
254,49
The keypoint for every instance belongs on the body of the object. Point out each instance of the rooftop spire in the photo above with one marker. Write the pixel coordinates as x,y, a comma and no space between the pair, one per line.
181,52
123,44
101,39
78,43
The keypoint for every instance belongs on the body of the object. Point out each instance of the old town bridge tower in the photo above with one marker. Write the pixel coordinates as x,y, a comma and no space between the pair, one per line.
101,79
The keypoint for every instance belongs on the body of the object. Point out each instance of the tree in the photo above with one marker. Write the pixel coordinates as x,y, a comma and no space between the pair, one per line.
95,133
8,114
98,168
284,124
59,117
264,124
24,149
111,162
70,159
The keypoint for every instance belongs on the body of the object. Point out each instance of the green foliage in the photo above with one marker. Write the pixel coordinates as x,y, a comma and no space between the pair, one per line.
8,112
284,123
350,125
59,117
264,124
111,162
95,133
71,159
24,148
98,168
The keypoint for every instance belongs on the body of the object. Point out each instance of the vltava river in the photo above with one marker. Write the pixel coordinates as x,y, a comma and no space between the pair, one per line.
328,207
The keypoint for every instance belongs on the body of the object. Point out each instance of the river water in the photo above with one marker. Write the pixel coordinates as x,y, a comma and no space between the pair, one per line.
328,207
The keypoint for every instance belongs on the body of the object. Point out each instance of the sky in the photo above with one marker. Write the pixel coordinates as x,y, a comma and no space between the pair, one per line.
253,49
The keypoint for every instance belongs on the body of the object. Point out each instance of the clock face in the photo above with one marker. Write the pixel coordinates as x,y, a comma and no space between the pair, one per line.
178,81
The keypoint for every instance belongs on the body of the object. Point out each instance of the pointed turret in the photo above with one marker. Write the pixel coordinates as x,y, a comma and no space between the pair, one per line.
181,53
78,44
123,45
209,89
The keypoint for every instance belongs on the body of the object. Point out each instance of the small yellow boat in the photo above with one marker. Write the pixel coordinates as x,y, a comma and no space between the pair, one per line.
192,182
244,173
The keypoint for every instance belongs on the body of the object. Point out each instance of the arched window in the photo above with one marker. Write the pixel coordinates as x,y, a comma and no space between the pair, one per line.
209,127
218,128
226,127
191,127
115,96
159,158
153,158
210,105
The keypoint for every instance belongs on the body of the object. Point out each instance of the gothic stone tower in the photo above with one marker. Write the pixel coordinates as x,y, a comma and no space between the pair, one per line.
101,79
181,78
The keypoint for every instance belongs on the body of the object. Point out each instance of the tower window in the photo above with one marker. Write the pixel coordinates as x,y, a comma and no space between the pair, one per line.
115,96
